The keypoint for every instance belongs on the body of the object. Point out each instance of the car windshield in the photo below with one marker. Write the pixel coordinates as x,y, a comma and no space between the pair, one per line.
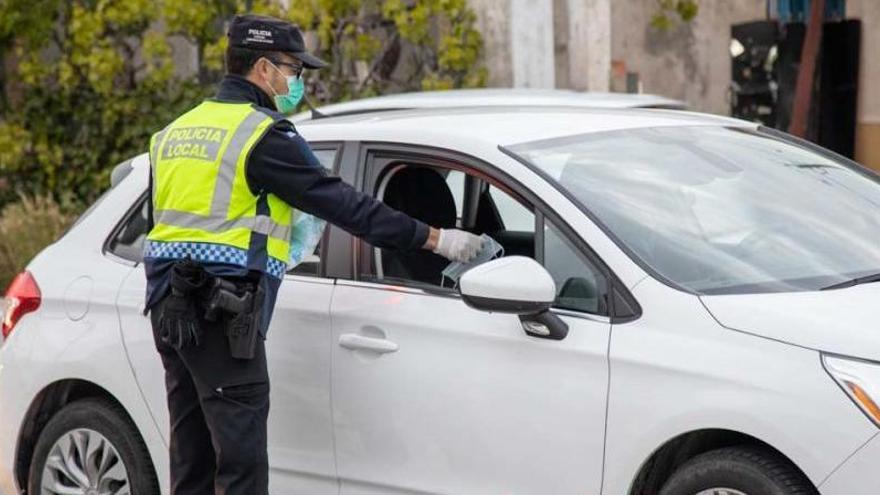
719,210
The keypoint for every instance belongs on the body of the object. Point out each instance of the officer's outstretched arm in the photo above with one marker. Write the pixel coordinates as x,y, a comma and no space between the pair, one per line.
282,163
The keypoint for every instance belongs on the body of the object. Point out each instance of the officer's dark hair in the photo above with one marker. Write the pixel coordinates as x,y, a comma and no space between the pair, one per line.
240,60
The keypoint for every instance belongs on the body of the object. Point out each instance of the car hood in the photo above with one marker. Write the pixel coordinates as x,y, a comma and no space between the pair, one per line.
842,321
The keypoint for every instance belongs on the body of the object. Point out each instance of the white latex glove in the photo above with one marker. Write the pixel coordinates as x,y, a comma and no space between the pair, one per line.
458,245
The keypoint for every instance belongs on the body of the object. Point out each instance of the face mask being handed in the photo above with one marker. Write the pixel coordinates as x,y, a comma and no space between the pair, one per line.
286,104
491,250
304,237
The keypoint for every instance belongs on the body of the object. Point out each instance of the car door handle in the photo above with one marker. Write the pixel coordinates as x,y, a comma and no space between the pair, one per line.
357,342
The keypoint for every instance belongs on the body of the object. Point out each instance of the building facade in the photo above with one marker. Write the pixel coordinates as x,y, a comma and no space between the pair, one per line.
603,45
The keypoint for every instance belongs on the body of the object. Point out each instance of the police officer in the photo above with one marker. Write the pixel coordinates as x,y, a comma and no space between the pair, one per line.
225,178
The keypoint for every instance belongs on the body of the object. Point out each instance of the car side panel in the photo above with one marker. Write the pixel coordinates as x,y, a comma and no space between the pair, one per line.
48,346
858,475
676,370
75,333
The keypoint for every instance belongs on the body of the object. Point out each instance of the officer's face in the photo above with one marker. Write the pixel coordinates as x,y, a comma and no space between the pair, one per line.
277,68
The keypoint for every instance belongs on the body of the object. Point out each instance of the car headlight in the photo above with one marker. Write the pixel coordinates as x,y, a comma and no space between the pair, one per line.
859,379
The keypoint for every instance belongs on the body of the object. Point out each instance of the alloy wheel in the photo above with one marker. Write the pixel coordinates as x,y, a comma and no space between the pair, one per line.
84,462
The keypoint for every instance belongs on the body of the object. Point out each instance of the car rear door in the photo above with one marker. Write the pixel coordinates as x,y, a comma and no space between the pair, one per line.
301,455
432,396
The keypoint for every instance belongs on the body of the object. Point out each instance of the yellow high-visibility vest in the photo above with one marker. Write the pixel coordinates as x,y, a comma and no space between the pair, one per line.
202,205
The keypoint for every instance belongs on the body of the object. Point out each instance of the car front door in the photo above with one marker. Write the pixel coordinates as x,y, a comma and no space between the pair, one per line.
432,396
301,454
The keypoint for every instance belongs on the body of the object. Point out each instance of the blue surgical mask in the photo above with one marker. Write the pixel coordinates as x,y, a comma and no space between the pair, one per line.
287,103
304,237
490,250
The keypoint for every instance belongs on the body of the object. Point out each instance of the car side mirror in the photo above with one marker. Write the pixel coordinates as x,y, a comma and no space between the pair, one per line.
518,285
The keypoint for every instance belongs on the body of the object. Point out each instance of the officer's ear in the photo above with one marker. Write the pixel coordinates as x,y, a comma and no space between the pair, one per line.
261,68
263,72
259,74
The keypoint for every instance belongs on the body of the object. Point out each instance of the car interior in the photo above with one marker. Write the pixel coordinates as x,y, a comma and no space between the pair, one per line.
449,198
426,193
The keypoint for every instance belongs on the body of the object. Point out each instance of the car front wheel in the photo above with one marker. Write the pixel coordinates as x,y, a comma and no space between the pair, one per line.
90,447
737,471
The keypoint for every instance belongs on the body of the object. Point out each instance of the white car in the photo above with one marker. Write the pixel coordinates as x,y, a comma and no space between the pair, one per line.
713,325
493,97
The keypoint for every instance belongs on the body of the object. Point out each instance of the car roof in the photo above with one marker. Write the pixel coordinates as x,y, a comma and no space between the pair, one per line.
495,126
495,97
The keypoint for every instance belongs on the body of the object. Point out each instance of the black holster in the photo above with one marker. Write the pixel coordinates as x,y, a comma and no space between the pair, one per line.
241,306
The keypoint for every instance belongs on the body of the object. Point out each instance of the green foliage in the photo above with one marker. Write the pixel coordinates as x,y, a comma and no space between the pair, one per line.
668,10
94,78
379,47
93,82
26,226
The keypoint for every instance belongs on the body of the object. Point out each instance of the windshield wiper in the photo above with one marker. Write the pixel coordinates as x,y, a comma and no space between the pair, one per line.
867,279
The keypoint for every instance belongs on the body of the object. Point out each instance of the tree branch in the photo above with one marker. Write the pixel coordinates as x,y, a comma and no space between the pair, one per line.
385,49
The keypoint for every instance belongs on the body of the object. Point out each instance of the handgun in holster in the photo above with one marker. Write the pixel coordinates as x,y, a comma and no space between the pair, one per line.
242,304
227,297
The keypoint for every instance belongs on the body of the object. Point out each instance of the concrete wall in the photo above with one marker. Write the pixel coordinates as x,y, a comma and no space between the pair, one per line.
583,44
690,62
868,127
493,22
531,53
546,43
584,38
576,43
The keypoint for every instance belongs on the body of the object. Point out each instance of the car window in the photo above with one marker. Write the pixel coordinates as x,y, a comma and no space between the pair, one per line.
717,210
435,195
514,214
127,241
455,181
327,157
580,286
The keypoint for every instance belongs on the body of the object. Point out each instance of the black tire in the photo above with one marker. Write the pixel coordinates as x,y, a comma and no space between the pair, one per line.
110,421
752,471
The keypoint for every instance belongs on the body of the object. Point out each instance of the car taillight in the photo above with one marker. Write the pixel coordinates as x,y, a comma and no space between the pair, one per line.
22,297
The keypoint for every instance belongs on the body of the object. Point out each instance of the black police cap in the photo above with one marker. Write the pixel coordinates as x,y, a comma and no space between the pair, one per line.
259,32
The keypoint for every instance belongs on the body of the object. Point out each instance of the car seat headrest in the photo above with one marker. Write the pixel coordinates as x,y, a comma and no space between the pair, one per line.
422,193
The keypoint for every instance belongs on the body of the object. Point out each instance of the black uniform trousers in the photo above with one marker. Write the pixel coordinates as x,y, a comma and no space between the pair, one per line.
218,407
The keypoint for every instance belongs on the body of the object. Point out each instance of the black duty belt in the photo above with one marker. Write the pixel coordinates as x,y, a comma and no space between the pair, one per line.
196,296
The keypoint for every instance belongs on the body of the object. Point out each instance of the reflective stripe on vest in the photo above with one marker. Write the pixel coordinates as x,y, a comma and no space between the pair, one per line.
260,224
196,139
216,221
